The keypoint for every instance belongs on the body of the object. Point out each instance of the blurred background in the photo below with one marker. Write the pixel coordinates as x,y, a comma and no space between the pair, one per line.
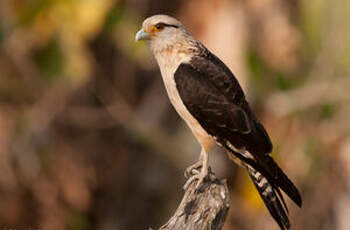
89,140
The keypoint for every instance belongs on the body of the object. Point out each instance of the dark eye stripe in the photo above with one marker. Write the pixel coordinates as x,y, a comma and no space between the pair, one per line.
168,25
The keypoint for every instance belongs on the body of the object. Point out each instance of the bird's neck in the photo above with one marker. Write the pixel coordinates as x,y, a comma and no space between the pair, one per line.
170,55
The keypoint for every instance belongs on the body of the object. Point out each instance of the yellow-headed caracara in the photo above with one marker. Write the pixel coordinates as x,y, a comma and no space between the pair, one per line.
210,100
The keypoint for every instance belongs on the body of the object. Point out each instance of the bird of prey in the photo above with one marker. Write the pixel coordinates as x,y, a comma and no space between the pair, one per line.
208,97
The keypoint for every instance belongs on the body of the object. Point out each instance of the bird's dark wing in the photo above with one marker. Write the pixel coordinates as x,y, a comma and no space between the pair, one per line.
213,96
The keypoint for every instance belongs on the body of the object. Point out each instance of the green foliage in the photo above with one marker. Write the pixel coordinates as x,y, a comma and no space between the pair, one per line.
258,70
78,221
50,60
261,75
255,64
327,111
114,17
2,36
284,83
313,153
314,18
32,9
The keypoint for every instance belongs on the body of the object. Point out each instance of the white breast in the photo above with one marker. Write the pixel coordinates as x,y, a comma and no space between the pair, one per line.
168,65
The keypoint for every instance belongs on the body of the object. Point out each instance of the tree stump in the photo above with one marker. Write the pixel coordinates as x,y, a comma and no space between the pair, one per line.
201,208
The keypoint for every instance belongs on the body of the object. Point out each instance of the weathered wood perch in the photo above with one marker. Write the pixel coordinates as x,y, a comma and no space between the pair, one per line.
202,208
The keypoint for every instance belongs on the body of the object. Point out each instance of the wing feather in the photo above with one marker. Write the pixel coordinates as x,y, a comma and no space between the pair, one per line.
214,97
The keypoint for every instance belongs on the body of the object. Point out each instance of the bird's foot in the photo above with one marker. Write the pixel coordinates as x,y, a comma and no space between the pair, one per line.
193,169
199,176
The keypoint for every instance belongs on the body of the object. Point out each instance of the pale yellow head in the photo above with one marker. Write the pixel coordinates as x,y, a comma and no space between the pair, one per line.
161,32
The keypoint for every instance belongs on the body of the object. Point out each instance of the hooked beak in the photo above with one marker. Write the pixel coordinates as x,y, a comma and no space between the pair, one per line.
141,35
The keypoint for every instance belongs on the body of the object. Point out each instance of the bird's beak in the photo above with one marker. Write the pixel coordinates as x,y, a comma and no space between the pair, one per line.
141,35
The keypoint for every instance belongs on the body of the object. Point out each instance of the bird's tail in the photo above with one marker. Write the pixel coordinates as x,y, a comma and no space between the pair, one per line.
280,180
271,171
272,198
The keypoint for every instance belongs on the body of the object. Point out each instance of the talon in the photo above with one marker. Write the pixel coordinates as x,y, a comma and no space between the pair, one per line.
200,176
192,172
197,171
188,182
193,169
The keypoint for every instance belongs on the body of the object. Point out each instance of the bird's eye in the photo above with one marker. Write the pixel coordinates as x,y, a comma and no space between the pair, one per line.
159,26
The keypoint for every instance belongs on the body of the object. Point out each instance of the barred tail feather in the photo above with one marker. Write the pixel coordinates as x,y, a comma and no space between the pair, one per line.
281,180
267,166
274,202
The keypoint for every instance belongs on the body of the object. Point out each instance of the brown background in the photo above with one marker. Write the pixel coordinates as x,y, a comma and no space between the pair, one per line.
88,139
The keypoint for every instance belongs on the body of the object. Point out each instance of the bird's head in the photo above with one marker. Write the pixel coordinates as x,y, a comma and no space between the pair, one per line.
161,32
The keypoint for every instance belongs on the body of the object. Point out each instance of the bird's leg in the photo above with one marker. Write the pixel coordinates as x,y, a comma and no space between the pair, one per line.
199,175
195,168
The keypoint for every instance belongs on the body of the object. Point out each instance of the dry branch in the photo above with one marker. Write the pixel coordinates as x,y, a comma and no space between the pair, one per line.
204,207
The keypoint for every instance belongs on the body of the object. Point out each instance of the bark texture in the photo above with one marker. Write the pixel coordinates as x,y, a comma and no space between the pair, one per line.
202,207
